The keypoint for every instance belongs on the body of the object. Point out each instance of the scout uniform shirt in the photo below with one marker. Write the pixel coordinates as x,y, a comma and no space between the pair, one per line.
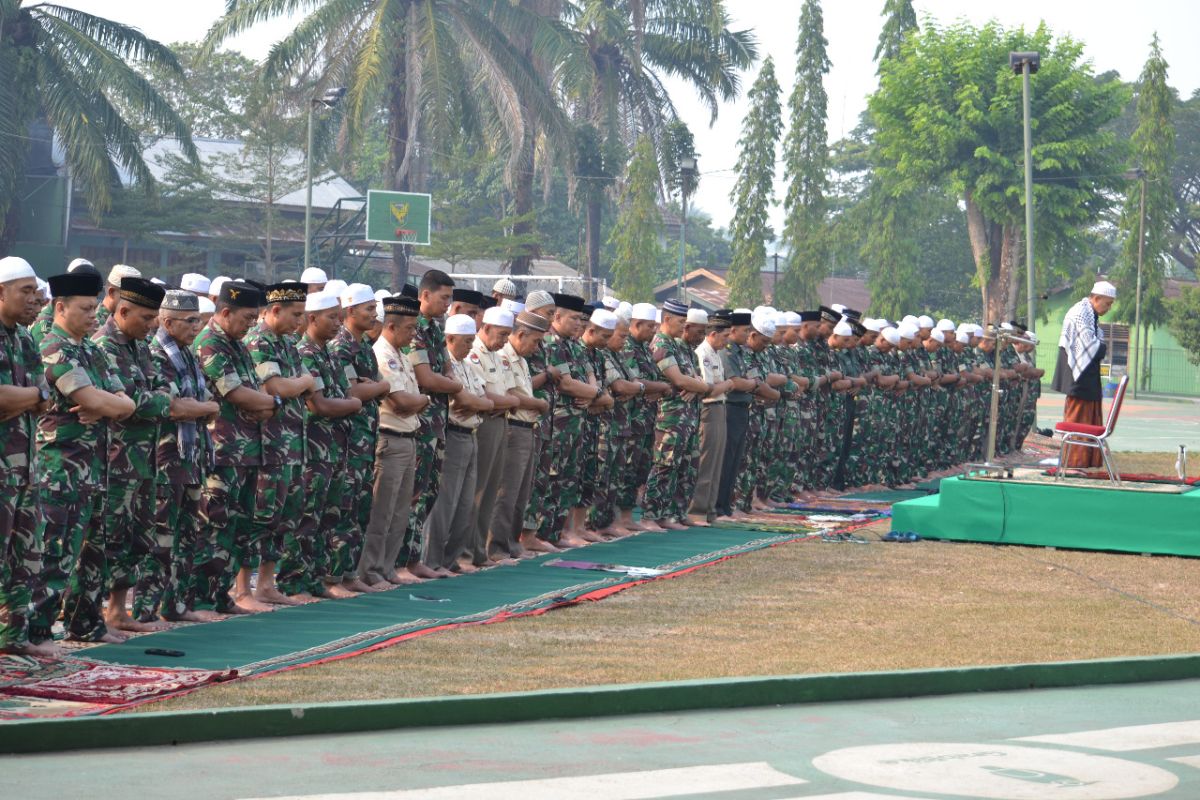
712,369
71,452
520,382
397,370
20,365
471,383
236,439
490,367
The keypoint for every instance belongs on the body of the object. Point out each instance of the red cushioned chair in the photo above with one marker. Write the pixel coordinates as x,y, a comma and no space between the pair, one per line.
1076,434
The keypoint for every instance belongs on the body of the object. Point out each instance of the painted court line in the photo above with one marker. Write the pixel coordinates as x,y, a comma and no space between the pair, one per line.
1122,740
857,796
646,785
1188,761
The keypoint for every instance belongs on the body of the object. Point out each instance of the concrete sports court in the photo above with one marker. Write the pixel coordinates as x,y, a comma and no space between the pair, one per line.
1148,425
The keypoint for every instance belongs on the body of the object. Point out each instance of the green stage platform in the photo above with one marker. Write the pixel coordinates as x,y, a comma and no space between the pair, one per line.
1046,515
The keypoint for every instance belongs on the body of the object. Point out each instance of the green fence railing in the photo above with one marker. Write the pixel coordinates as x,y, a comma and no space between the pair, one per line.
1169,371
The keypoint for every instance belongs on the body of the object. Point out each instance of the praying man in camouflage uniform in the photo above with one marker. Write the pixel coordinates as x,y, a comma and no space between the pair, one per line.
23,396
639,364
71,437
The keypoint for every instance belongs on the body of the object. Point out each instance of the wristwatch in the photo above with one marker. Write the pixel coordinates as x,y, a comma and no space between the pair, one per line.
278,401
44,393
641,388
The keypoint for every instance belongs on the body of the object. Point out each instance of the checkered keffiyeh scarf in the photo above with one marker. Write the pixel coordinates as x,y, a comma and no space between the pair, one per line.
1081,336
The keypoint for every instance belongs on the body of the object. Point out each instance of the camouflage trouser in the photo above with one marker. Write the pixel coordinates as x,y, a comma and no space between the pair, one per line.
267,525
674,463
541,474
72,575
766,462
564,489
635,468
743,488
318,552
609,460
20,560
363,470
128,527
589,446
226,506
170,585
685,486
784,466
430,451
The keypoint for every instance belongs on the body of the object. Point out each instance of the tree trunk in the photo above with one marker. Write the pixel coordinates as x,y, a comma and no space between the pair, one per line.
594,209
996,249
397,130
523,206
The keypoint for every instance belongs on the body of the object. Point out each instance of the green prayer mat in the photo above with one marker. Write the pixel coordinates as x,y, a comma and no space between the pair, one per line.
298,635
888,495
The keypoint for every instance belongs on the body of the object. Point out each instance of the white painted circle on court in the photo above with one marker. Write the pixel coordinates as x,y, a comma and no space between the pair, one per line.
998,772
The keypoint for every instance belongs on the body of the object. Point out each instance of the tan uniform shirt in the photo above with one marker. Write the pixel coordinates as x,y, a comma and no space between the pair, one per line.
471,383
520,382
397,370
712,369
489,367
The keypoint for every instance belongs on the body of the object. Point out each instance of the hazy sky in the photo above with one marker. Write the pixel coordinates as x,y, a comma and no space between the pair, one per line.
1116,35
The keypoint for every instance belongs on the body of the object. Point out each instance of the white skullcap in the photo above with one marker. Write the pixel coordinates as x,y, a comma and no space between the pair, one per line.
624,312
841,309
195,282
1006,326
314,275
120,271
925,321
977,330
891,335
697,316
909,319
962,337
658,315
505,286
320,301
460,325
780,318
214,288
44,288
380,316
355,294
876,325
512,306
206,306
608,320
382,293
335,286
498,316
945,325
1031,336
645,312
938,336
793,318
611,303
14,268
908,330
623,305
843,328
1104,289
77,263
538,299
763,325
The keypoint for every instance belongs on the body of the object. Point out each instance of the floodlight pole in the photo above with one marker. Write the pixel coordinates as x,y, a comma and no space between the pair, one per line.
1137,300
1028,65
687,167
309,183
994,413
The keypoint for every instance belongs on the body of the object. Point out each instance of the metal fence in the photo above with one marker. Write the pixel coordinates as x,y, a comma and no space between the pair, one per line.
1169,371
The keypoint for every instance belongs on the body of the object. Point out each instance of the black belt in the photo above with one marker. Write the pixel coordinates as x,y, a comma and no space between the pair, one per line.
522,424
401,434
450,426
738,403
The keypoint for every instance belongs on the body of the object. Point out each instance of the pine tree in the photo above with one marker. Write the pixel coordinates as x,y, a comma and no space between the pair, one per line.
635,238
806,163
754,193
898,19
1153,151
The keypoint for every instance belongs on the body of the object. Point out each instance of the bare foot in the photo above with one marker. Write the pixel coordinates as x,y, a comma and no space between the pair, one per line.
41,650
419,570
608,533
699,522
672,525
650,526
249,605
567,541
536,545
124,622
112,637
338,592
503,562
591,536
739,514
402,577
442,572
273,595
207,615
464,567
724,518
355,585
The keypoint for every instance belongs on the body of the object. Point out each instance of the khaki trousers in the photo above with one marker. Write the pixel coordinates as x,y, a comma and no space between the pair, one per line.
712,453
516,484
395,474
490,440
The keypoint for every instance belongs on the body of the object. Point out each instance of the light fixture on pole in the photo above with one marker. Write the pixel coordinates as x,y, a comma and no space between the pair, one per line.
775,278
687,175
1025,64
1138,174
328,100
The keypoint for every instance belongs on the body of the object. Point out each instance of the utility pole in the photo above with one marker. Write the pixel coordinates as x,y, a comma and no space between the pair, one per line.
1025,64
687,168
327,100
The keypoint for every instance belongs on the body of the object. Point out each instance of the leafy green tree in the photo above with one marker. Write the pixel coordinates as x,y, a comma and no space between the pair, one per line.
210,93
948,114
806,164
1184,321
75,70
899,19
1153,151
754,192
635,238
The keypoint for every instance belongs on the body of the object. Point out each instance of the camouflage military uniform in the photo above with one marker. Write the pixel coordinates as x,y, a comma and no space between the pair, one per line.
132,461
783,470
1009,403
612,439
228,500
428,347
42,324
848,441
828,408
102,314
73,476
757,431
564,490
324,547
20,505
279,503
357,360
635,467
541,440
673,476
184,456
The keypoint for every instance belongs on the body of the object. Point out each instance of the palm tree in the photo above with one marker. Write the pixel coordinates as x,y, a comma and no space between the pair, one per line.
437,69
613,81
73,70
